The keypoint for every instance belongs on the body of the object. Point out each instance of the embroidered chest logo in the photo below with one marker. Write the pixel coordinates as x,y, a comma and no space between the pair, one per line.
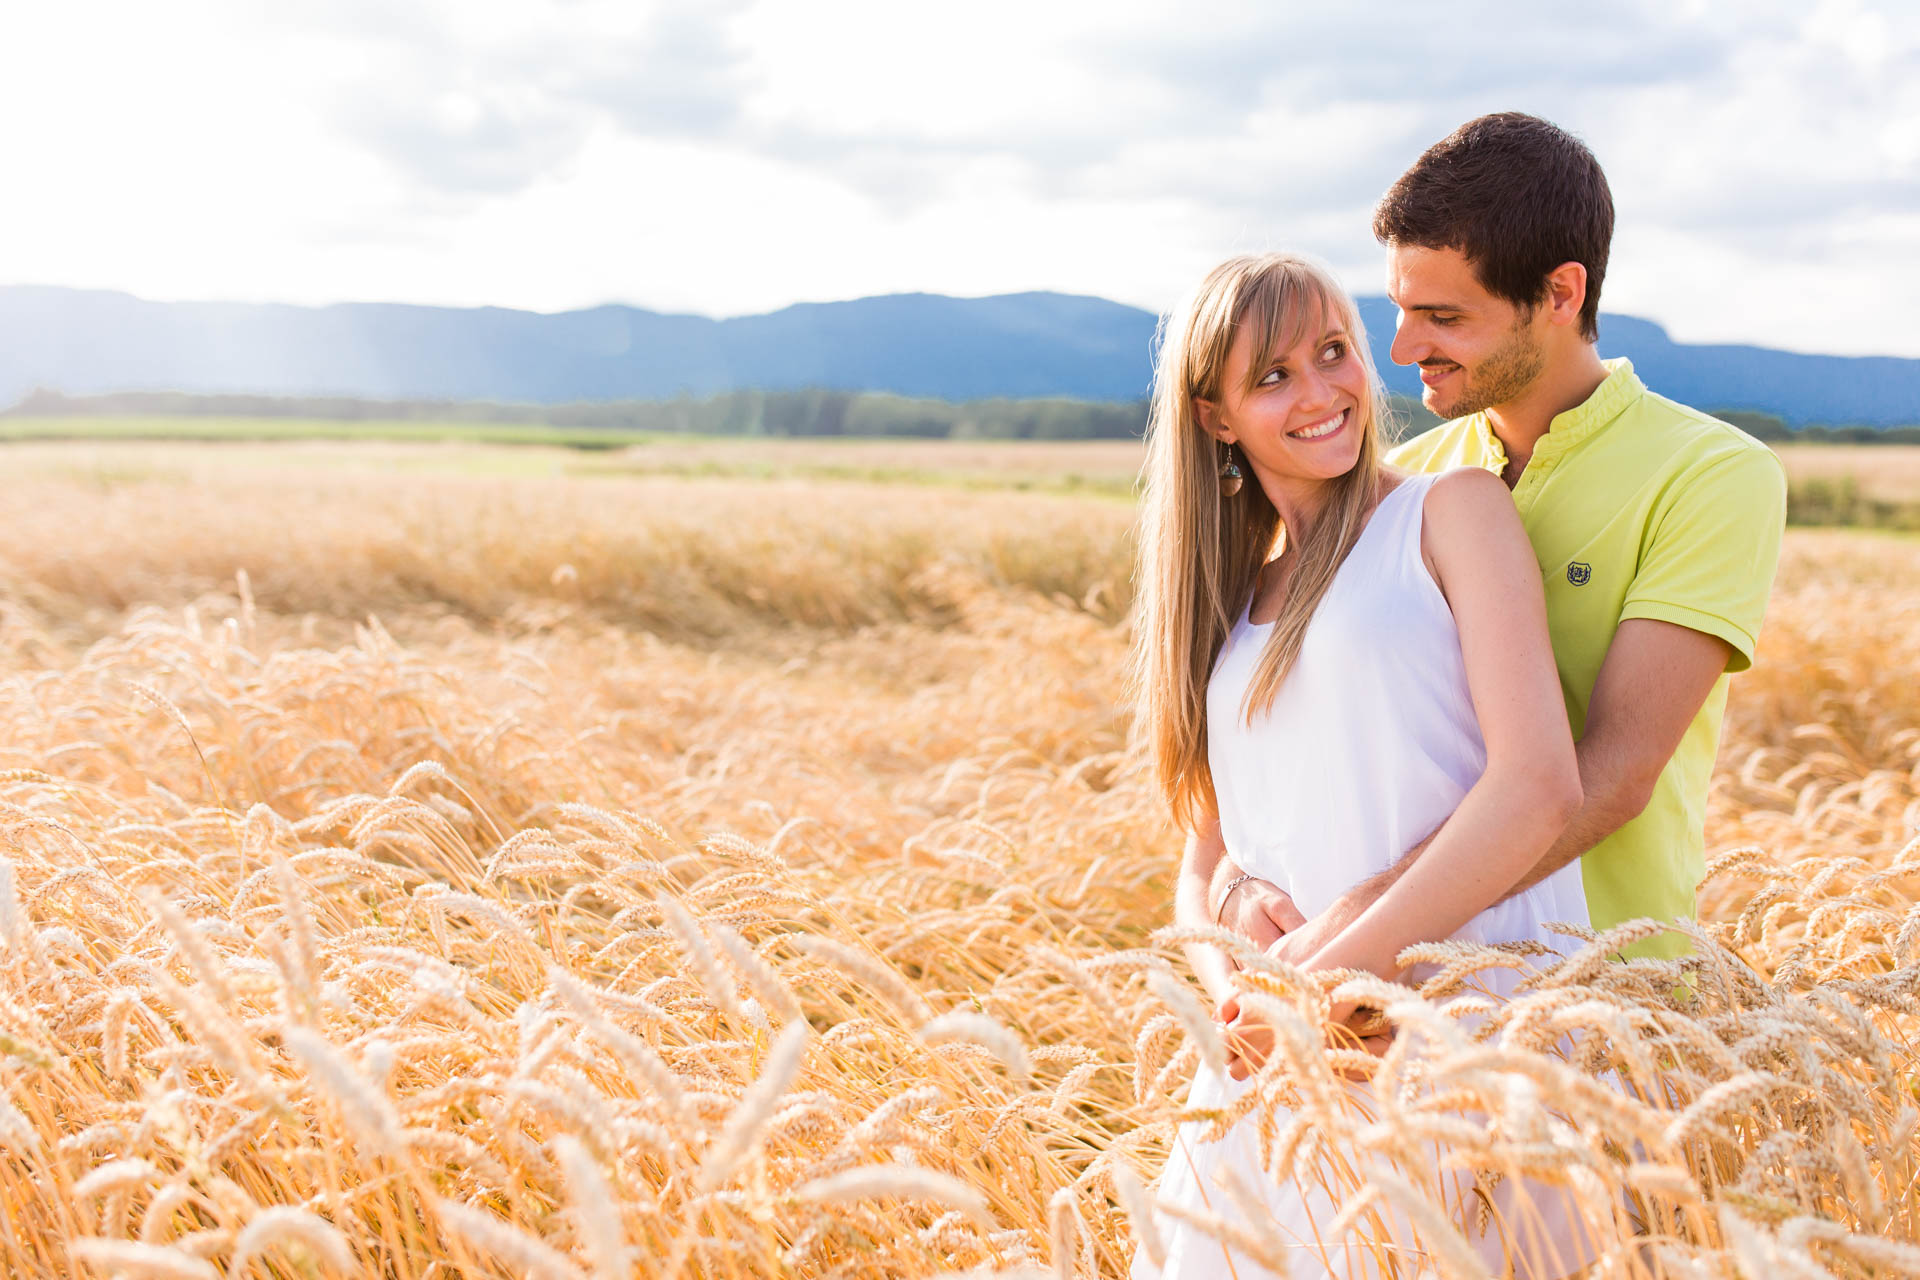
1579,573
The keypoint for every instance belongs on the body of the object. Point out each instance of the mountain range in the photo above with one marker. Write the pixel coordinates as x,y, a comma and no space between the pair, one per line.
84,342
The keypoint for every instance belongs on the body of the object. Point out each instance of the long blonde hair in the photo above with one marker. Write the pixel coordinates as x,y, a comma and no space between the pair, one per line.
1201,551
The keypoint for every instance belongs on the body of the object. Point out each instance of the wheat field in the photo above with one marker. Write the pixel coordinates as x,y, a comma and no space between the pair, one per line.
431,874
1890,473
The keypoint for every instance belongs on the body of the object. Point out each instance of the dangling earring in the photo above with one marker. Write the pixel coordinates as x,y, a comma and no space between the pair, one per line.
1229,474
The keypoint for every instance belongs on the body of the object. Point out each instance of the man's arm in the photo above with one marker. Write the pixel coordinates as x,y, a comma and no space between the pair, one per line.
1654,680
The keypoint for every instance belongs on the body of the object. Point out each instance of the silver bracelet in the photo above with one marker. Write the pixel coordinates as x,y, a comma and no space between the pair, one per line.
1232,884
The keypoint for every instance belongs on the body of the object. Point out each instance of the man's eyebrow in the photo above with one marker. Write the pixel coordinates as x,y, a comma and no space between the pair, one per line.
1434,306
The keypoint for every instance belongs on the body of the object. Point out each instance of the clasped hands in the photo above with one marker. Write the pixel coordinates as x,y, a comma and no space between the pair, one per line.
1263,913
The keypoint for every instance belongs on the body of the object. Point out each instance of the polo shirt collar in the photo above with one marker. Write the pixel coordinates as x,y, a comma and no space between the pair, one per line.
1608,401
1492,452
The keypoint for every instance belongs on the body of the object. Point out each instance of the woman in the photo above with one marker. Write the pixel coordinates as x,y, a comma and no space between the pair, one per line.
1332,661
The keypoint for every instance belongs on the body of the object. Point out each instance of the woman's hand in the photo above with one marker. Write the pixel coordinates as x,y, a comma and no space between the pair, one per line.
1248,1035
1261,912
1300,944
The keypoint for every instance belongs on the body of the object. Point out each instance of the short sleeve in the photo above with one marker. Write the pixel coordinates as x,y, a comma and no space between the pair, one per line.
1417,454
1709,565
1447,446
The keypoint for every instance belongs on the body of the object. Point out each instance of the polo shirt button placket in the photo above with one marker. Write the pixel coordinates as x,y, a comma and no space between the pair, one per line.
1532,478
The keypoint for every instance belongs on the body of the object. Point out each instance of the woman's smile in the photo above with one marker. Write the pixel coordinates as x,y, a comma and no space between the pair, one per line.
1324,428
1300,412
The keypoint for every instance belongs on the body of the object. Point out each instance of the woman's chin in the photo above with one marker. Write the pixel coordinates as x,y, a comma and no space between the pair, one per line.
1339,466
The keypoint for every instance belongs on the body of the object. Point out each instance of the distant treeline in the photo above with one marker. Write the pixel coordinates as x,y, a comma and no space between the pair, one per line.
812,412
1765,426
734,413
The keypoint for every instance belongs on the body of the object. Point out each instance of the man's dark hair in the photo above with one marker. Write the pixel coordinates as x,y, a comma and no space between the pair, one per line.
1518,196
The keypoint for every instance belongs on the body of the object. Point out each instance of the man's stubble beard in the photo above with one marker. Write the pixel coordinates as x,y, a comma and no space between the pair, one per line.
1499,378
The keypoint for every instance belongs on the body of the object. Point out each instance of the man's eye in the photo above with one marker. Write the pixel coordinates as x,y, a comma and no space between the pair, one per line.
1444,321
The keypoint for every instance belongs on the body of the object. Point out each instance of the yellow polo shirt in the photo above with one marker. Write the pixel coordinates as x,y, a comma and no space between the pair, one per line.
1640,508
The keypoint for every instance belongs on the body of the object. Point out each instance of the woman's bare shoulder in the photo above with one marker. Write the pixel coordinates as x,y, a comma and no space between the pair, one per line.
1470,500
1469,520
1468,485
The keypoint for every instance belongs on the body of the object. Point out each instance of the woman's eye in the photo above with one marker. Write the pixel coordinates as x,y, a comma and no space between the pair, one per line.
1334,352
1272,377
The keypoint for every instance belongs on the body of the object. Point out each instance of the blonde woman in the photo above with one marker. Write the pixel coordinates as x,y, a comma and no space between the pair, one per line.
1333,662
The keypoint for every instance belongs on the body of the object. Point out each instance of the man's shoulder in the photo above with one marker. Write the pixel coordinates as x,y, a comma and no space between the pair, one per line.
1693,440
1695,462
1456,443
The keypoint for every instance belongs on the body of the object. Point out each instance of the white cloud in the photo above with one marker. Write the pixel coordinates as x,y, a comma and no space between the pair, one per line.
732,157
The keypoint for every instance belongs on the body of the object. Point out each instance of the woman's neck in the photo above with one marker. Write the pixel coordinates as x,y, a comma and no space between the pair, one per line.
1301,503
1298,503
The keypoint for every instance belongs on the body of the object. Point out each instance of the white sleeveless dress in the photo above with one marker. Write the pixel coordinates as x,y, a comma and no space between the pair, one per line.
1370,745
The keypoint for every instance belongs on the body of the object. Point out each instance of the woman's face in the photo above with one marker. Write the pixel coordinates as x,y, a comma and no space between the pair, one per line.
1301,420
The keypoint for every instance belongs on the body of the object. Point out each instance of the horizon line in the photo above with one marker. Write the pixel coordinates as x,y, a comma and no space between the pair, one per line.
828,302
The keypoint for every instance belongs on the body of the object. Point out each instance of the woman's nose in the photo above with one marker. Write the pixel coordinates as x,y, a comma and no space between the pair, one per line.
1315,390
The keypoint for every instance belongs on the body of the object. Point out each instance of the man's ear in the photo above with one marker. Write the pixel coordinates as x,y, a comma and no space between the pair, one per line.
1566,293
1207,413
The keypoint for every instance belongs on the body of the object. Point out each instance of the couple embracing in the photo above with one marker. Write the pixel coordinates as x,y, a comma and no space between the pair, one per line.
1465,689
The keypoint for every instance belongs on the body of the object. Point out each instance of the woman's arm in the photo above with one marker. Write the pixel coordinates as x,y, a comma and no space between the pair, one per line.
1258,909
1192,905
1531,787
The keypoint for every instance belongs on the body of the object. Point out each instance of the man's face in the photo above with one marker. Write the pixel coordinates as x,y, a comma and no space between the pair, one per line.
1475,351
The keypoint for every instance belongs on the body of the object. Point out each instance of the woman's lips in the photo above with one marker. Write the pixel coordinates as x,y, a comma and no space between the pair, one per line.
1325,429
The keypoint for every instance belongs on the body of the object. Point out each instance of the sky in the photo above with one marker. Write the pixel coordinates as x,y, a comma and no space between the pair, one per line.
726,158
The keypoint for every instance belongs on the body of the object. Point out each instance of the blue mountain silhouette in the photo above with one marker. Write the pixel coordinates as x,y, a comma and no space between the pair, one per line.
1024,344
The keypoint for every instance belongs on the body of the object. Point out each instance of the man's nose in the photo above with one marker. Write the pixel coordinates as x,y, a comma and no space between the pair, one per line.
1406,348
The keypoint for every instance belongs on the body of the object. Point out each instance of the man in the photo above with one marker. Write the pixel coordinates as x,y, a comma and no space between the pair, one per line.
1656,527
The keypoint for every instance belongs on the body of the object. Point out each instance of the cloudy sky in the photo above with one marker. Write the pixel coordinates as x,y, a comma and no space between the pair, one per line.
728,157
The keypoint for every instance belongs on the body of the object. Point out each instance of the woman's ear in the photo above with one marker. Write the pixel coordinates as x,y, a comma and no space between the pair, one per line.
1207,413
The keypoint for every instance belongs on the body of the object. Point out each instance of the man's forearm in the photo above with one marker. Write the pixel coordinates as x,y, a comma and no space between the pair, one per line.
1352,904
1653,682
1610,799
1602,812
1610,802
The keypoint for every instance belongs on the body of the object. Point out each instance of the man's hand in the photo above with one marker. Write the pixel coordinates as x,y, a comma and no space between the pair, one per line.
1249,1036
1376,1043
